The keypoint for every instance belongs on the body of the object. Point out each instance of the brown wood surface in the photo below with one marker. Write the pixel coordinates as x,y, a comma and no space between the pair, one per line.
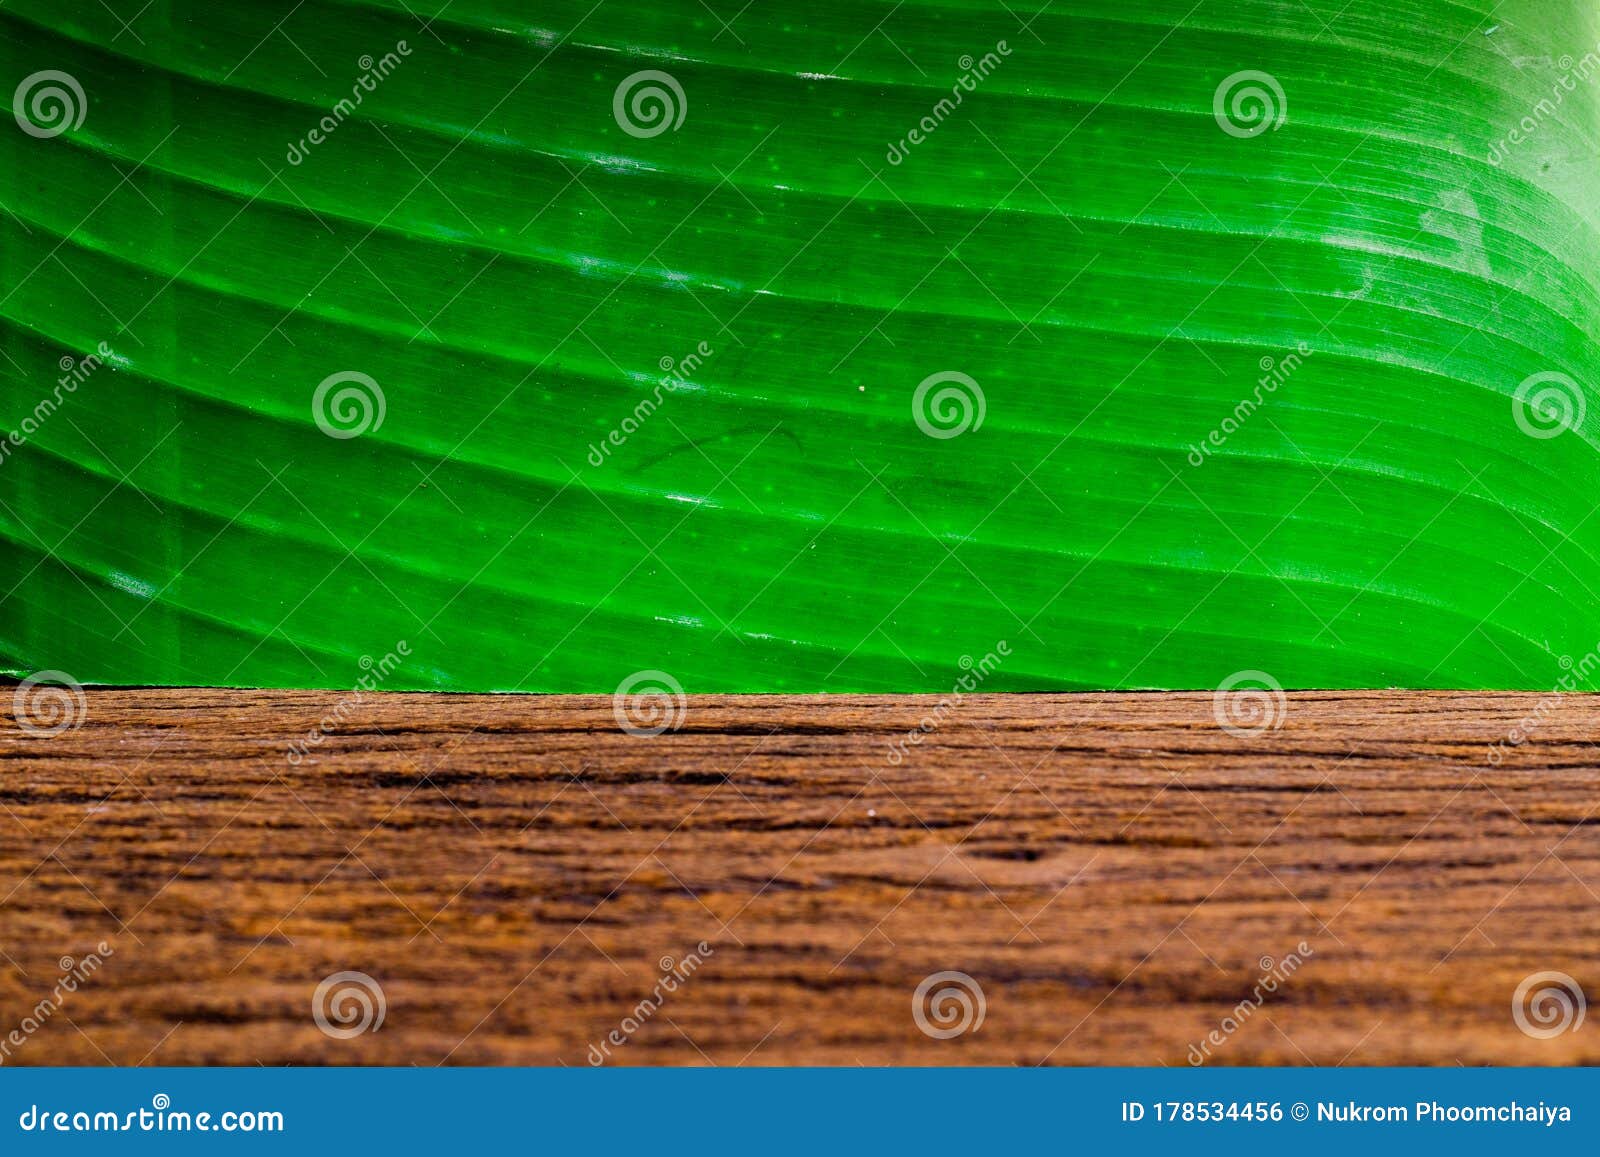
1109,869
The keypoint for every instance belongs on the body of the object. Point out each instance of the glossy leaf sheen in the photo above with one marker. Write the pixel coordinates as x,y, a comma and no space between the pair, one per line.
1079,237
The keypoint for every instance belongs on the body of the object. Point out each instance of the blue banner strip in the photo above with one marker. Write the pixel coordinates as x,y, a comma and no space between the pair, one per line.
704,1112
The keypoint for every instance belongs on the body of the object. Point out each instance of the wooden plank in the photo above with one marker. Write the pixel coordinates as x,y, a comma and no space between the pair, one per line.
1110,870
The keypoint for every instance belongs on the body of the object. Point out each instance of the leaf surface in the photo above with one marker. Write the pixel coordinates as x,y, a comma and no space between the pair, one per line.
1232,394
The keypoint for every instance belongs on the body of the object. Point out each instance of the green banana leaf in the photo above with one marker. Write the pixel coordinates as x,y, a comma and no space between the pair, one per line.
829,346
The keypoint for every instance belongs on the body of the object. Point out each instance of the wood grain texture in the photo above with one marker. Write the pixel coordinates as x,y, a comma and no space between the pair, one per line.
1110,869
